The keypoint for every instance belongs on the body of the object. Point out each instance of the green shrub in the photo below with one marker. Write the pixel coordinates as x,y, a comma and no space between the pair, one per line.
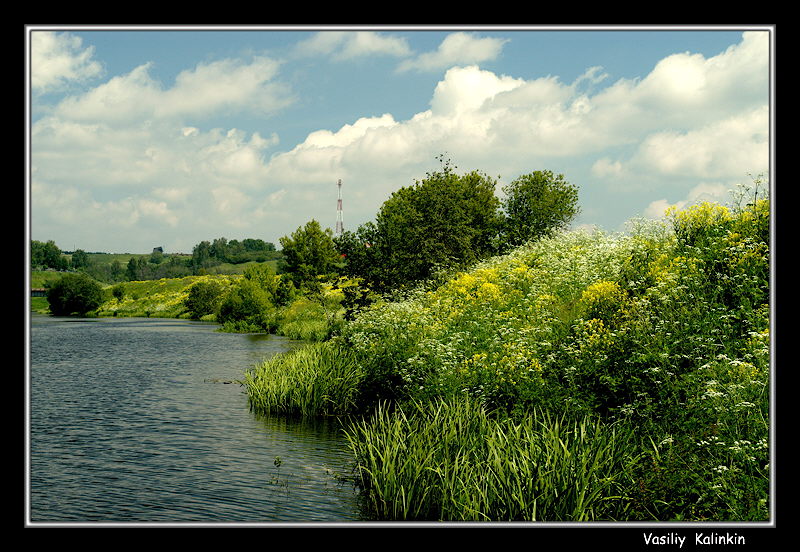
204,298
74,293
665,328
247,305
118,292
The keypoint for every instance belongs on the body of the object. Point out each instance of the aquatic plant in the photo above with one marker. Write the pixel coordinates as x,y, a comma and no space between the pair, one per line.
317,379
451,460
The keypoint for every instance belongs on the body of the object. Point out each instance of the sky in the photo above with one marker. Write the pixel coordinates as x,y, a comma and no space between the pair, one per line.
143,137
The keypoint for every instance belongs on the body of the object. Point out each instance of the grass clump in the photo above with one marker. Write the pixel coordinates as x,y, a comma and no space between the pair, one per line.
451,460
318,379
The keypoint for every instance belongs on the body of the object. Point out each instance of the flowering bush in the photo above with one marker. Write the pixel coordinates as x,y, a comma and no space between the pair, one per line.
664,328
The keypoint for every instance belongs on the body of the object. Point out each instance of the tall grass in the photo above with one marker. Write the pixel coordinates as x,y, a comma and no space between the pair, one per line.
318,379
450,460
308,320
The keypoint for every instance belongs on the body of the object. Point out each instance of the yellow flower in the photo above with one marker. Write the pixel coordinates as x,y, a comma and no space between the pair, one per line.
488,291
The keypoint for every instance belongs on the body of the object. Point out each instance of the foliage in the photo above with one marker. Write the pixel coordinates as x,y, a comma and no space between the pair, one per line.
247,305
451,460
118,292
204,298
444,220
207,254
536,205
309,253
79,259
665,328
314,380
164,298
449,221
315,316
74,293
361,255
279,287
47,255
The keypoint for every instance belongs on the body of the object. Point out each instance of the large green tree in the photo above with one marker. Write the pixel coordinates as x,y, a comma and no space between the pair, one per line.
445,220
74,293
536,205
80,259
309,252
248,304
360,253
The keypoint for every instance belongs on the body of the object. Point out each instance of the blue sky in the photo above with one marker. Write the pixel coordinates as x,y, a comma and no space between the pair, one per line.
143,137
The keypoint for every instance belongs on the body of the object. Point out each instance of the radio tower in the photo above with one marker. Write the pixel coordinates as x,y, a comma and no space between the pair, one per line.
339,222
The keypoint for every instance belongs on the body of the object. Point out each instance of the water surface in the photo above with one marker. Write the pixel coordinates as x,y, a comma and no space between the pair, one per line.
131,421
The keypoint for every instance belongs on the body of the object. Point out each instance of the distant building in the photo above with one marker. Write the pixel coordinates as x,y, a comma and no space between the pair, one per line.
38,292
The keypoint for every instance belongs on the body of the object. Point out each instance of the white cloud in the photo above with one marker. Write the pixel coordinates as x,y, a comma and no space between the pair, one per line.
466,89
605,168
732,146
456,49
346,45
705,191
657,209
58,59
208,89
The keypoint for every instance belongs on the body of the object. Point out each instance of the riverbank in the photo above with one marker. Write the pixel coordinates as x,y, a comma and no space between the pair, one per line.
302,318
656,342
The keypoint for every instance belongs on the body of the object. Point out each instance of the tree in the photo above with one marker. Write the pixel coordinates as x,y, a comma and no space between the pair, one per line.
74,293
360,254
47,255
80,259
157,256
219,249
444,220
203,298
118,291
246,303
309,253
132,270
201,255
536,205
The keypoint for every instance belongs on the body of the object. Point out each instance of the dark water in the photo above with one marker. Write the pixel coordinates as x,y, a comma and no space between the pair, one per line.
130,422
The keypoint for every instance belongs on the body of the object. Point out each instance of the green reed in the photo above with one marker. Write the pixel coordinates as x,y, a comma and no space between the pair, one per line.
318,379
451,460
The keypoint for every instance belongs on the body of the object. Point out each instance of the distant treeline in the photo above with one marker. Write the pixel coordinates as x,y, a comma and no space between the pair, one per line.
221,250
206,256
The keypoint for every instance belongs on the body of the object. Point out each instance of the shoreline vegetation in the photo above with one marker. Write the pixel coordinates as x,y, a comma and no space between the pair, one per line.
581,376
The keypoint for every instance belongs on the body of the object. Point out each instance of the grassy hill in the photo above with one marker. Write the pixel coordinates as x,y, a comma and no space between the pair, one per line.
587,376
162,298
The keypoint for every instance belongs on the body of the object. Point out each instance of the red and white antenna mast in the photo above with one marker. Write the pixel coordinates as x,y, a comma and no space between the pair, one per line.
339,221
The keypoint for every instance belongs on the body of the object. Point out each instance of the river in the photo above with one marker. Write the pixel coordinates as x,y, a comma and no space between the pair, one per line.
130,421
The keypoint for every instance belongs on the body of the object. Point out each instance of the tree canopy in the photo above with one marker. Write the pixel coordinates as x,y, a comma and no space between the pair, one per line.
536,205
449,220
444,220
309,252
74,293
47,255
